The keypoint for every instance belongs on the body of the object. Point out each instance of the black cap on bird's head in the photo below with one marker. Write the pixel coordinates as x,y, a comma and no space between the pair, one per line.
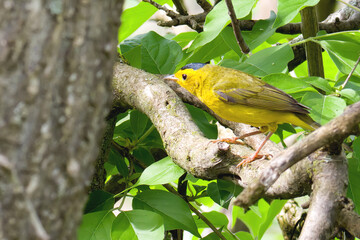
194,66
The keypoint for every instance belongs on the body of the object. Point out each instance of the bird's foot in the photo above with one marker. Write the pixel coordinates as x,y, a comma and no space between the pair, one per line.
252,158
229,140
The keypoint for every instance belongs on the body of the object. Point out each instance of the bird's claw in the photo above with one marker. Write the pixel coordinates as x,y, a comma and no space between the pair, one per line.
228,140
252,158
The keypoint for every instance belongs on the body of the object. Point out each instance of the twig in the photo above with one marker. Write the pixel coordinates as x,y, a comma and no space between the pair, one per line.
168,12
333,132
217,232
236,27
350,74
180,19
205,5
193,21
180,7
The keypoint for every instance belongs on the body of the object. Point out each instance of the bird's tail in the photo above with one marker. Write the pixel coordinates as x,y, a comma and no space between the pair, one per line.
309,122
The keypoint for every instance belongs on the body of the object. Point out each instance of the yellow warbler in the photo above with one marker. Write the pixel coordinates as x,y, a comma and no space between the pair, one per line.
241,97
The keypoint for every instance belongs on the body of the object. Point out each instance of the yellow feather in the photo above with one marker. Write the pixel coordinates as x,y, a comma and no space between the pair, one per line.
240,97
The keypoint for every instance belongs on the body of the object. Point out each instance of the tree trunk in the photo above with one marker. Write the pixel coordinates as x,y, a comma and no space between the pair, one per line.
56,60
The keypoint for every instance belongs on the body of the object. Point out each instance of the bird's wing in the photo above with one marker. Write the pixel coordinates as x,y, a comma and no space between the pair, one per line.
260,96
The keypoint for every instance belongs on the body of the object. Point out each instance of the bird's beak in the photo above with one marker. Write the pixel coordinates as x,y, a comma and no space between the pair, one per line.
171,77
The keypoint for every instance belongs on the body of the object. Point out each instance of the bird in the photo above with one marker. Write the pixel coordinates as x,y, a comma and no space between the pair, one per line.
240,97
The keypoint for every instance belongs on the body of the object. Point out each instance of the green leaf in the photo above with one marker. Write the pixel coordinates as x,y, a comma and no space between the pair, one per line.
158,55
228,37
222,192
183,39
216,218
205,53
354,179
198,189
138,121
110,169
319,83
351,95
123,131
273,59
287,83
344,49
133,18
261,31
267,61
98,201
323,108
144,155
245,67
356,148
172,208
287,10
139,225
260,217
198,115
351,92
117,160
250,218
160,172
271,212
244,236
96,225
218,18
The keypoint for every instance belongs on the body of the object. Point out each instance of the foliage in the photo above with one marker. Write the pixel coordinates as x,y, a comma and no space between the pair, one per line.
138,156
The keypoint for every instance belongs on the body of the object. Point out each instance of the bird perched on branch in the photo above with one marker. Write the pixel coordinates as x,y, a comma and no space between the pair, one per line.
243,98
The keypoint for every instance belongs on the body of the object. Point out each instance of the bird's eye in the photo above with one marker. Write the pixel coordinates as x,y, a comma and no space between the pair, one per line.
184,76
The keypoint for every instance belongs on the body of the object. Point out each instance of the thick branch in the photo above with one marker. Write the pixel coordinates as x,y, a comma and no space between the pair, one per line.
185,144
330,182
197,155
350,221
333,132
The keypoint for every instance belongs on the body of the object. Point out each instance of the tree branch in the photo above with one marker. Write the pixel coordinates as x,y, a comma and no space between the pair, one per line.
205,5
350,221
330,183
179,4
199,156
333,132
236,27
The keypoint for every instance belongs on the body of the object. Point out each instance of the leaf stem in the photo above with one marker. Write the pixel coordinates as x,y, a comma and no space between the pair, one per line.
319,37
350,74
147,133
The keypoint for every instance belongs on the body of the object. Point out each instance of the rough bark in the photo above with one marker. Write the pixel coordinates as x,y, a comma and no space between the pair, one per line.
205,159
56,61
